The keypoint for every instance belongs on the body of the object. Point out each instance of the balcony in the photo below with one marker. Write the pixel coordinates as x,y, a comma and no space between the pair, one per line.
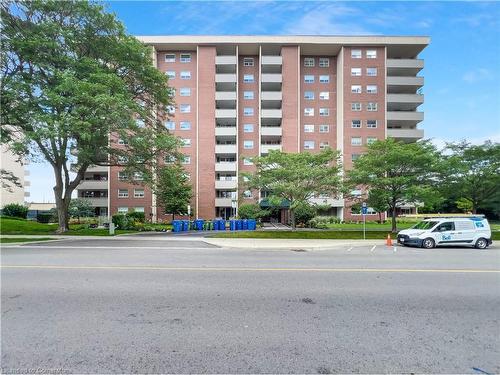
271,131
226,184
223,202
97,202
225,78
271,78
272,60
404,85
264,149
225,95
271,95
225,131
225,149
404,102
93,185
404,67
225,113
405,116
225,167
271,113
406,134
333,202
226,60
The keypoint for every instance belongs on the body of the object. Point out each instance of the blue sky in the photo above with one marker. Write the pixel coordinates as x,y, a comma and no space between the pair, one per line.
462,63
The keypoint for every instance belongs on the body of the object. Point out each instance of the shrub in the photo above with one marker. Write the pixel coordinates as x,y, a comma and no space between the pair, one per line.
136,216
304,213
44,217
251,211
120,221
15,210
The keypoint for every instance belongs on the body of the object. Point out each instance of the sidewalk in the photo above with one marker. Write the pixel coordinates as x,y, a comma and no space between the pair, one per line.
256,243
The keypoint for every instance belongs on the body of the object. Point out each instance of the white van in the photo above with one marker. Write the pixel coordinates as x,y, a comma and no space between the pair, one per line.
474,231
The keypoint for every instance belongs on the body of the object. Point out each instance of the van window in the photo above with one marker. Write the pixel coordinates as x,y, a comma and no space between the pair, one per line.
464,225
445,227
425,225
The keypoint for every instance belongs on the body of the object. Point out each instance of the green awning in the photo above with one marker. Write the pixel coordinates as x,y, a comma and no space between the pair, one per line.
264,203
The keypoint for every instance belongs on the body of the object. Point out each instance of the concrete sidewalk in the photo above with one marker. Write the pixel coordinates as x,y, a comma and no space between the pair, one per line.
306,244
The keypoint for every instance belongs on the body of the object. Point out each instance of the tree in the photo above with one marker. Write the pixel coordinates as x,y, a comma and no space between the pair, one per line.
251,211
405,172
15,210
80,208
9,180
173,189
473,174
296,177
377,199
74,82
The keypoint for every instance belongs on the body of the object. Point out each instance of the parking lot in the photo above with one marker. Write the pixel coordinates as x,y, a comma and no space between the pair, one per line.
178,305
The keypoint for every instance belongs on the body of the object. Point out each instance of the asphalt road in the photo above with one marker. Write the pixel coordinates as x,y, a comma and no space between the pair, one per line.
151,306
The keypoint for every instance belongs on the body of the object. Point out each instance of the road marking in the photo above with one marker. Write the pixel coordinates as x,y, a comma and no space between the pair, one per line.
395,249
161,268
349,249
373,248
159,247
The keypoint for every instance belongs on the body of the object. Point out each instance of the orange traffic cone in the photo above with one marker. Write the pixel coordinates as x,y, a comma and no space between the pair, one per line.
388,242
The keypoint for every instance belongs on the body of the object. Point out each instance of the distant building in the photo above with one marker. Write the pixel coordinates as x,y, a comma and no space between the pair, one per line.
14,194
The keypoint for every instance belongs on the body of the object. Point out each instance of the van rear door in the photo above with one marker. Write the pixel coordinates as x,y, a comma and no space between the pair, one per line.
465,230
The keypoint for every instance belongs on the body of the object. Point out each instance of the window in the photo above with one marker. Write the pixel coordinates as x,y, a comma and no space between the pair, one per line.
170,125
324,79
324,112
309,95
356,72
444,227
324,95
308,128
371,124
308,145
356,141
138,176
169,159
371,107
247,161
323,145
248,61
138,209
247,194
248,95
186,142
324,62
248,145
324,128
185,58
354,157
356,107
356,53
186,159
248,78
185,91
138,193
122,210
122,193
122,142
186,75
371,72
356,124
185,125
371,54
248,111
248,128
170,74
309,62
371,89
122,176
122,160
308,111
370,140
308,79
356,89
185,108
139,123
170,57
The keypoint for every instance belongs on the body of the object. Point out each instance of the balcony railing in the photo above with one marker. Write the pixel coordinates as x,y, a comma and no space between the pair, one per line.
225,167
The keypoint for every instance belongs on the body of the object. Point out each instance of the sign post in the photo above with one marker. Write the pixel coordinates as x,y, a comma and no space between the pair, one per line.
364,210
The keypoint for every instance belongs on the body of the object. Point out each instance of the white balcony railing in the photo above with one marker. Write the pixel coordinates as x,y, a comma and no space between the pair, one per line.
225,149
271,78
405,116
226,60
264,149
271,95
226,184
272,60
225,95
271,130
225,167
222,78
271,113
412,134
225,113
225,131
223,202
93,185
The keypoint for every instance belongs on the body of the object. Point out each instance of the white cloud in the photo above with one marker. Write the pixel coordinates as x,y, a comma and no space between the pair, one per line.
476,75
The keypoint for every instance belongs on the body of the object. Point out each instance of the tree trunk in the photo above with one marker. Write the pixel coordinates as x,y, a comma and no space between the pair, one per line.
173,217
474,209
380,217
394,228
292,217
62,206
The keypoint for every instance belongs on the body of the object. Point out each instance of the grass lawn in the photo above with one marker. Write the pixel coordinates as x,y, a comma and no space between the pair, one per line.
320,235
26,239
369,226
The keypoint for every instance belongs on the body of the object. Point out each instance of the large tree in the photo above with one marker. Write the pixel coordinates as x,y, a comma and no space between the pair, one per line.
297,177
81,208
404,172
173,190
473,175
73,83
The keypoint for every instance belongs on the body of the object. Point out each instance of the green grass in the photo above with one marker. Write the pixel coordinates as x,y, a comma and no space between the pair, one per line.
24,239
369,226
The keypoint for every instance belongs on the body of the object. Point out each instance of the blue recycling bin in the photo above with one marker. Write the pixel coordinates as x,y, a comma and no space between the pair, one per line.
252,224
244,224
199,224
176,226
238,224
185,225
232,224
222,224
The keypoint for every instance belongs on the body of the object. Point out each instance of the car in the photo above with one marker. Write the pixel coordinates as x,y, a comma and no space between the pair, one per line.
437,231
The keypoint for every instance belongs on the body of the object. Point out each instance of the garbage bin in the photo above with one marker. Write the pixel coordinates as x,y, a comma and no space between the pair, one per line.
232,224
185,225
238,224
252,224
176,226
222,224
199,224
244,224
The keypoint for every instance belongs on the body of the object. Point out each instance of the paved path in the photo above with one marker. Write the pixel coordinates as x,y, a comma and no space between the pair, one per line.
115,306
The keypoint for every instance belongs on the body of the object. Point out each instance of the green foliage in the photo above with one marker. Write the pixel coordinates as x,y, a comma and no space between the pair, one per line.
71,77
399,172
251,211
296,177
173,189
136,216
80,208
120,221
9,180
131,220
44,217
304,212
15,210
377,199
464,204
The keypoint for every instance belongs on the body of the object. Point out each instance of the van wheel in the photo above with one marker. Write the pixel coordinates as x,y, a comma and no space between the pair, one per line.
428,243
481,243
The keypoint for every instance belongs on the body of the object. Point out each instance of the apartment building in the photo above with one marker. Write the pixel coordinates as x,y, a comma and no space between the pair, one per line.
11,165
237,97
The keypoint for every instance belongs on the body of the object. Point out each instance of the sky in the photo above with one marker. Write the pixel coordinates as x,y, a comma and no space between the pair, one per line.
462,62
